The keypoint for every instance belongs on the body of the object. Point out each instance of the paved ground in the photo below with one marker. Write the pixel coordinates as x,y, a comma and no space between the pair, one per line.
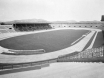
63,70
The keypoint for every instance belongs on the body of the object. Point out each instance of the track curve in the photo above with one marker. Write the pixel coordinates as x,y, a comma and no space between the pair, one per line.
32,58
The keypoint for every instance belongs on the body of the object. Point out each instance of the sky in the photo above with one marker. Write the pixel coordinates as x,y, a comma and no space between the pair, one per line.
52,10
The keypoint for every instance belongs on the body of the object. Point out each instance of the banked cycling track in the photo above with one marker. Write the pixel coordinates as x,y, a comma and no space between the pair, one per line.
51,55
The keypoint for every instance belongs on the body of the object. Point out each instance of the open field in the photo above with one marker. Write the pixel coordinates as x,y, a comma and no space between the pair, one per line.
49,41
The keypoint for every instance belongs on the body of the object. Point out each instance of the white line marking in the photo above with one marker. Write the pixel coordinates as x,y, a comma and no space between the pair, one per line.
76,40
79,46
91,45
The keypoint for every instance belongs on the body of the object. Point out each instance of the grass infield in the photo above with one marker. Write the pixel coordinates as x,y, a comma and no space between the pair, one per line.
49,41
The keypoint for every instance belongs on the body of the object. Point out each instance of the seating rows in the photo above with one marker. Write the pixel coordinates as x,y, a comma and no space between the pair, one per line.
31,27
6,31
90,54
94,52
77,56
23,27
42,64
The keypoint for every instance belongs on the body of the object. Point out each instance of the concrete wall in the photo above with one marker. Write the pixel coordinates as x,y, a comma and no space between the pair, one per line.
99,25
78,25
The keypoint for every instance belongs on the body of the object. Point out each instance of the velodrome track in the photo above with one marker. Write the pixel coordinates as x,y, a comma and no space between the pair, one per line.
31,58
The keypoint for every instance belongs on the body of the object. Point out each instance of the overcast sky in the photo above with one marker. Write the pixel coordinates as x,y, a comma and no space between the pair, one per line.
51,10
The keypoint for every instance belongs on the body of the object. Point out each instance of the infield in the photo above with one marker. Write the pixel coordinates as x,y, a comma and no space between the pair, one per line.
49,41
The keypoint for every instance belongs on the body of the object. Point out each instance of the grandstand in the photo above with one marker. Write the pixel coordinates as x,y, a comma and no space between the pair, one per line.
31,26
89,55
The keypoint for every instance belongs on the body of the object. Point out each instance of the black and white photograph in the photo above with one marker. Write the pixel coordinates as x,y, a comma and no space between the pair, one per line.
51,38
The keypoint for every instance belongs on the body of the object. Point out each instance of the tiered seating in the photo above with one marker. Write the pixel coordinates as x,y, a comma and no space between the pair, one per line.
90,55
2,27
10,28
41,64
4,31
31,27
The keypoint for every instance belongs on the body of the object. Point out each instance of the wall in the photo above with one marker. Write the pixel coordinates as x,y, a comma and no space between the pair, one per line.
79,25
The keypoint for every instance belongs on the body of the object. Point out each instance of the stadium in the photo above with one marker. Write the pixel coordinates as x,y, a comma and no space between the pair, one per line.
40,43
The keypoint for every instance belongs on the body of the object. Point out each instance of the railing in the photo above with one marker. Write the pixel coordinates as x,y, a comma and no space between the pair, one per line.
24,52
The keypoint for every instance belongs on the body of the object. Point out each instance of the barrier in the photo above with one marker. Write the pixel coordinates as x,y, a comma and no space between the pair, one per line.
24,52
43,63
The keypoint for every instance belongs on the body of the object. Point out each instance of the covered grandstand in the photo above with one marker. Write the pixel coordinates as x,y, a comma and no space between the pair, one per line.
31,26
